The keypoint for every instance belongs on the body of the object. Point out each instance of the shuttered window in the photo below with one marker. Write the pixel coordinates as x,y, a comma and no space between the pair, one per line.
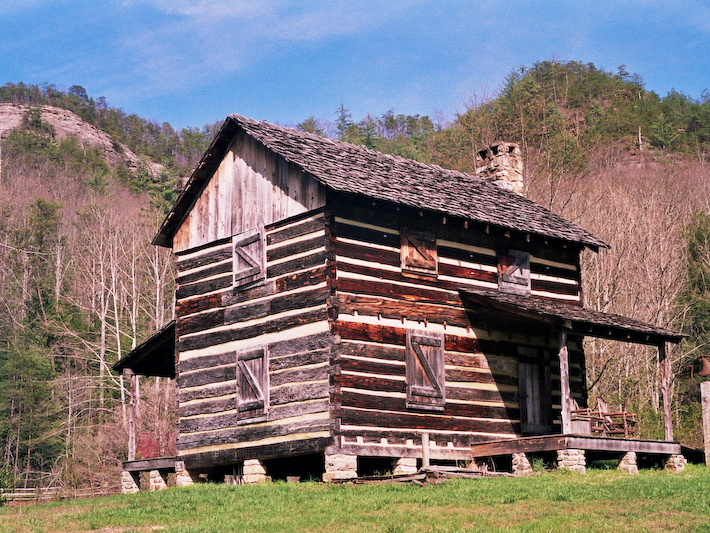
248,258
418,253
425,370
252,384
514,272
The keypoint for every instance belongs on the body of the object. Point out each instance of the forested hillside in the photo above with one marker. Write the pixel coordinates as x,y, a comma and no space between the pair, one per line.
80,284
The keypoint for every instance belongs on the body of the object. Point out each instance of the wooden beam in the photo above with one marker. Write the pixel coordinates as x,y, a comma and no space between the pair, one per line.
132,414
705,402
565,394
665,368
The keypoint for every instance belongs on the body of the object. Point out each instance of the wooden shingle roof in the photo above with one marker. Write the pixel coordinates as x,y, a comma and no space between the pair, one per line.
348,168
573,317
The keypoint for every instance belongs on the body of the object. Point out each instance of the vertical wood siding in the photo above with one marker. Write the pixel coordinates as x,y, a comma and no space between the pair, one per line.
251,188
285,316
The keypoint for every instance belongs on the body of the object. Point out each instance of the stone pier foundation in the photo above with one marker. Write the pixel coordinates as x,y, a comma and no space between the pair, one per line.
183,479
339,466
157,481
628,463
573,460
405,465
254,472
676,463
521,465
129,484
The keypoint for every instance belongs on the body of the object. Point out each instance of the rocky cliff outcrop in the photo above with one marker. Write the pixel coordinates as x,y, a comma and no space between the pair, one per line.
67,123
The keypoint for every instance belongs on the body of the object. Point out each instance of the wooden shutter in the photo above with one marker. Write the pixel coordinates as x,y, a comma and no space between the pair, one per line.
252,383
248,258
514,272
418,253
425,370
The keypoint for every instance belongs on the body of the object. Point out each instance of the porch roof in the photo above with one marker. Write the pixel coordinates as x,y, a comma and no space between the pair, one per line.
572,317
154,357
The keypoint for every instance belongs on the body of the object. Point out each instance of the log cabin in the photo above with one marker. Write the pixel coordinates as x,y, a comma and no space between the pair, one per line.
338,309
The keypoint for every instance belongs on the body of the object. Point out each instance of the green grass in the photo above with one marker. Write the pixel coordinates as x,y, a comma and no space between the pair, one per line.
597,501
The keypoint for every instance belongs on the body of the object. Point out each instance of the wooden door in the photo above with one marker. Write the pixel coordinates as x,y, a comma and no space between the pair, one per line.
535,396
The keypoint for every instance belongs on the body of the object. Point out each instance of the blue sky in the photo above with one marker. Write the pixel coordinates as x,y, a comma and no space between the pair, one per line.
192,62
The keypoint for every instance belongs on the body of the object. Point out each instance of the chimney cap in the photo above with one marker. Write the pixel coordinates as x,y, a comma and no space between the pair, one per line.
500,147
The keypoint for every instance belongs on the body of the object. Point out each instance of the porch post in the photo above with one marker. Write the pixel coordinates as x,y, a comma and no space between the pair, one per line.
665,368
132,414
564,384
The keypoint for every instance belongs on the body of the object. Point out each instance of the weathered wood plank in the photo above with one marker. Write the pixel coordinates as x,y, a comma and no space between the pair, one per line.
274,254
367,401
279,449
203,287
217,268
214,338
208,375
250,432
381,418
297,392
349,303
299,359
300,345
276,233
301,263
305,373
392,290
400,437
226,420
206,392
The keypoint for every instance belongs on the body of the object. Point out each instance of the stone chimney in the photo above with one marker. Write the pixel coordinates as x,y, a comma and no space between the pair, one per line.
502,164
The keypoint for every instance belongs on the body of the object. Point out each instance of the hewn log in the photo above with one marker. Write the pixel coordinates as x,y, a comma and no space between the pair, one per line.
301,263
304,373
564,384
203,287
213,253
705,407
250,432
274,254
367,401
665,369
214,338
296,230
218,268
220,421
380,418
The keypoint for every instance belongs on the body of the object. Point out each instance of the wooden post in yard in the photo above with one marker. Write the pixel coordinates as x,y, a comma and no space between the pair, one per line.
665,368
132,414
705,403
425,450
564,385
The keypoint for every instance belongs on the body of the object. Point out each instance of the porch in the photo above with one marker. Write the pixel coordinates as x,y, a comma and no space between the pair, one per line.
575,451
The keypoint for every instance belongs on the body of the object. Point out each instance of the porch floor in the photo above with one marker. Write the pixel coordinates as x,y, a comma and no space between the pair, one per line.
548,443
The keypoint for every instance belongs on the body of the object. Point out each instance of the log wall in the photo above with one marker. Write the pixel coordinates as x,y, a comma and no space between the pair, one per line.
285,315
376,303
275,190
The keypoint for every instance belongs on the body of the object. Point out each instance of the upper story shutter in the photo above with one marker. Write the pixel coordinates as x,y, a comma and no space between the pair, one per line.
425,370
418,252
514,272
248,258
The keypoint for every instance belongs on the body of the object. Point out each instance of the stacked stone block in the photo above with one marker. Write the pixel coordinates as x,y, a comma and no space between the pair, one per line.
521,465
572,460
628,463
339,467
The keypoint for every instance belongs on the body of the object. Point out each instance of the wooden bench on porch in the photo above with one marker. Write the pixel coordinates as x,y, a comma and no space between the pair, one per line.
603,422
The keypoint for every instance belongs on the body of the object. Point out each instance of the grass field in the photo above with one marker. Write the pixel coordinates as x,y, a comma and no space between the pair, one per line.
598,501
